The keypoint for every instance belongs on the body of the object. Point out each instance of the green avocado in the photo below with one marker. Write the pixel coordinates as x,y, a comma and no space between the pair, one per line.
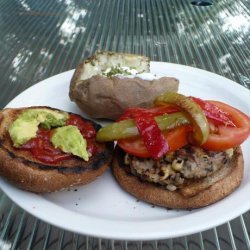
70,140
26,125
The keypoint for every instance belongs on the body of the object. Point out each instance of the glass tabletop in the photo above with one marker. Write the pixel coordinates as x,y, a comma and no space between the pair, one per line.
40,39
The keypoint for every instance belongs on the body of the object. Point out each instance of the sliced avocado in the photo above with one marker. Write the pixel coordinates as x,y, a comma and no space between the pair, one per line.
70,140
26,125
23,130
47,118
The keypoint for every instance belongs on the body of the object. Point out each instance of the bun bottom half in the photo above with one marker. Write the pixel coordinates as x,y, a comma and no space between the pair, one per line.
24,171
219,185
32,177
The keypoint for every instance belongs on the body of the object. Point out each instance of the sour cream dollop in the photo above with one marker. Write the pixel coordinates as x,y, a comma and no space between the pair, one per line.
126,72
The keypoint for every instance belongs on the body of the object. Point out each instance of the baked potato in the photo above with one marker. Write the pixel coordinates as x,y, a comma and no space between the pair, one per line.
107,83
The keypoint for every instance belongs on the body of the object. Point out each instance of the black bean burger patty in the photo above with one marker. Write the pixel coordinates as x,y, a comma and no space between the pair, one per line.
186,179
172,170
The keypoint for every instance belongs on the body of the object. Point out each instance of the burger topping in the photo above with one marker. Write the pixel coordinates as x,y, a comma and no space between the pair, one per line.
178,117
69,140
26,125
52,136
173,170
213,112
226,137
167,117
42,149
193,111
151,134
127,128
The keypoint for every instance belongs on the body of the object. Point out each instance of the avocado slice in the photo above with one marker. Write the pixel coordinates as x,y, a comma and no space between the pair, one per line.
26,125
70,140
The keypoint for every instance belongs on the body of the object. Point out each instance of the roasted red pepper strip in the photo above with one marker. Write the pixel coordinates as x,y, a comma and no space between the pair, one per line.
151,134
153,139
156,111
214,113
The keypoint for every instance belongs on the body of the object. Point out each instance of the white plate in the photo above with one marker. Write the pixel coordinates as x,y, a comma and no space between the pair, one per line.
102,208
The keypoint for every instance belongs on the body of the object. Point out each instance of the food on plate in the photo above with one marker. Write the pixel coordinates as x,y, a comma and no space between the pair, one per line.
43,149
184,152
106,84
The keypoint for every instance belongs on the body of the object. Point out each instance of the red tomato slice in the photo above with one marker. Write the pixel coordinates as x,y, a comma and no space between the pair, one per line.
217,115
228,137
176,139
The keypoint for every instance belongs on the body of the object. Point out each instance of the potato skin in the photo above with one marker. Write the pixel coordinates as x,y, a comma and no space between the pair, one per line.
103,97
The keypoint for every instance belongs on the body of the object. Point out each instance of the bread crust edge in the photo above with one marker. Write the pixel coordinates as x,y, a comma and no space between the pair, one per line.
43,181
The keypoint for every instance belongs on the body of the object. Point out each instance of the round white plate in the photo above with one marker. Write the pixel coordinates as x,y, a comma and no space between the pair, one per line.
102,208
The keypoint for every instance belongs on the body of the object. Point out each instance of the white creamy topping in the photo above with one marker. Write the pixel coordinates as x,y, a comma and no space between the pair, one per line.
126,72
145,76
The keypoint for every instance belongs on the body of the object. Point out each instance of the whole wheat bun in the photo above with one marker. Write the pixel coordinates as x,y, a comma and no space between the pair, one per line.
195,195
23,170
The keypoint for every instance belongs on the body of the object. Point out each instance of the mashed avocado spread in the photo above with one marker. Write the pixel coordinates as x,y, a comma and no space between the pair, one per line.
67,138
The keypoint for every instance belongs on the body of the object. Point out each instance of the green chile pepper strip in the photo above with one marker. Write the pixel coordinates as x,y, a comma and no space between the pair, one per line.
127,128
193,112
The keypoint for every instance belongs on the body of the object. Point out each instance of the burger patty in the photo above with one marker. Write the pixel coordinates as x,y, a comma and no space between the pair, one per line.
175,168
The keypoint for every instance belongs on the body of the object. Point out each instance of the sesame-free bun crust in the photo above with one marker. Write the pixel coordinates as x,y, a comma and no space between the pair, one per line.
194,195
23,170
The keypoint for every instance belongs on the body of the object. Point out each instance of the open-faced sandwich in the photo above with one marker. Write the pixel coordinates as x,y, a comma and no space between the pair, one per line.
107,83
183,153
43,149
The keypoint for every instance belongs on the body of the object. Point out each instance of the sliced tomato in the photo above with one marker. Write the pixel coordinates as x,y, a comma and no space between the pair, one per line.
226,137
213,112
176,138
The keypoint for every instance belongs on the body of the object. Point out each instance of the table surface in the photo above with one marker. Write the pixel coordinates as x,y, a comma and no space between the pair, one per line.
42,38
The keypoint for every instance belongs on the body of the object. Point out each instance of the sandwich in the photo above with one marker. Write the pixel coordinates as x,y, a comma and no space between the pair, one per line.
182,153
43,149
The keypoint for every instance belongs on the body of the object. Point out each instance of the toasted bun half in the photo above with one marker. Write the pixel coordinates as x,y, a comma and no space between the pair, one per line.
195,195
22,169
